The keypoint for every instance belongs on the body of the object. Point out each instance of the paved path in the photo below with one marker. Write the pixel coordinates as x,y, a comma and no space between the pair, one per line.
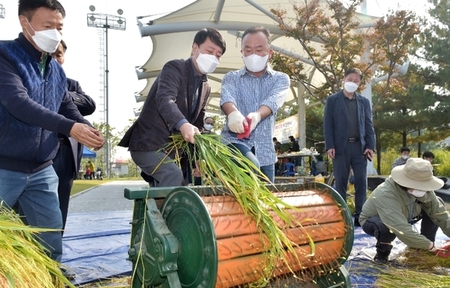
106,197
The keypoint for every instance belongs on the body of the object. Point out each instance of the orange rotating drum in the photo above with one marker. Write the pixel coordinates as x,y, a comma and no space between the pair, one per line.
208,241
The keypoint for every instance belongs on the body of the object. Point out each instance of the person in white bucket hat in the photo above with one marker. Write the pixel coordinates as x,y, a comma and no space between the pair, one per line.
406,197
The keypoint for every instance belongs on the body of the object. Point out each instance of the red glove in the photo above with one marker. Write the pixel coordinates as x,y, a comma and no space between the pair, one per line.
443,252
247,129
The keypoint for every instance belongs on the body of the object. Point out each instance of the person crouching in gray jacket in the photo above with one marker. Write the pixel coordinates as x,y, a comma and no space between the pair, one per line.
406,197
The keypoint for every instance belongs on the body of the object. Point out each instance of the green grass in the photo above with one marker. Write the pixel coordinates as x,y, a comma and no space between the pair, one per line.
81,185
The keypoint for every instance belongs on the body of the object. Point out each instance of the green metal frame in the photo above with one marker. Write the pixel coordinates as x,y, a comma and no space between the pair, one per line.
175,245
153,248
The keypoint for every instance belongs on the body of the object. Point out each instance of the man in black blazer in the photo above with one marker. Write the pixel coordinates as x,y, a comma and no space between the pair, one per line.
175,104
350,137
67,160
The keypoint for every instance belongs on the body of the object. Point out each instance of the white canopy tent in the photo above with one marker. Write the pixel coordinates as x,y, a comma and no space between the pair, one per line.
172,37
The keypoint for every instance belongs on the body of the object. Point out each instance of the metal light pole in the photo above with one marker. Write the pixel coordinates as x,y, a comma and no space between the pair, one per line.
106,22
2,12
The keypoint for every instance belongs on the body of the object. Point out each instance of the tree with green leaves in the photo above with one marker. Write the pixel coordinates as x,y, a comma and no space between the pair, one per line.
112,140
434,43
333,38
411,113
414,111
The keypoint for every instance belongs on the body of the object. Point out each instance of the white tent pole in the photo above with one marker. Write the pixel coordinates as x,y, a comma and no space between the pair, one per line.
301,115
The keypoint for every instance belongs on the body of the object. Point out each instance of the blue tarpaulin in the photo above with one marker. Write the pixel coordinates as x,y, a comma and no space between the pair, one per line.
96,247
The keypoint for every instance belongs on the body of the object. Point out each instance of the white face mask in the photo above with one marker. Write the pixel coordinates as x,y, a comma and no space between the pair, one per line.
207,63
46,40
418,193
208,127
350,87
255,63
405,157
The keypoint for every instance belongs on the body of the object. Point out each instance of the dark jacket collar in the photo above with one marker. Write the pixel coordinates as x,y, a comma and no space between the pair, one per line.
29,48
203,77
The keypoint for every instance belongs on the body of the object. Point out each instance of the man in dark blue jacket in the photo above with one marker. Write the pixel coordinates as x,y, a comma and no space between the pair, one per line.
350,137
175,104
34,108
67,160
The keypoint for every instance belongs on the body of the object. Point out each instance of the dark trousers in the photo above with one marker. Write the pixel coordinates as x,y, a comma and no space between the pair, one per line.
374,227
64,166
354,158
164,171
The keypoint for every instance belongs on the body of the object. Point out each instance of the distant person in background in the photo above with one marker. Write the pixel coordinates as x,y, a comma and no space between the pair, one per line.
294,144
67,161
276,145
88,173
429,156
404,155
279,164
350,137
91,166
99,174
208,125
295,147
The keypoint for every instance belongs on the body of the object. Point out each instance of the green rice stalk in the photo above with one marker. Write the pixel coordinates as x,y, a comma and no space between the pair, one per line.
419,259
218,164
23,260
413,268
404,277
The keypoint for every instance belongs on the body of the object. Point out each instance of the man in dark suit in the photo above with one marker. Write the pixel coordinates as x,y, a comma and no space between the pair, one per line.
67,160
294,145
175,104
350,137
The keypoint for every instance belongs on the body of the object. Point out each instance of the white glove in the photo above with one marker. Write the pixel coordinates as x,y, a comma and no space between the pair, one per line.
433,248
256,118
236,122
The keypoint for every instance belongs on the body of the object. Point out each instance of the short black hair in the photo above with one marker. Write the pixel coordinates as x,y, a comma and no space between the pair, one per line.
256,29
353,70
428,154
214,35
292,138
274,139
403,149
28,7
64,45
208,117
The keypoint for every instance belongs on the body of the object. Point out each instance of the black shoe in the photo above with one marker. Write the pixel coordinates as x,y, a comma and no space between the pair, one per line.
381,259
356,223
67,273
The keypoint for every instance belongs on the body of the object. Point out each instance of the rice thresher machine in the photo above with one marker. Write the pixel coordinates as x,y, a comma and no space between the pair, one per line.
199,236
